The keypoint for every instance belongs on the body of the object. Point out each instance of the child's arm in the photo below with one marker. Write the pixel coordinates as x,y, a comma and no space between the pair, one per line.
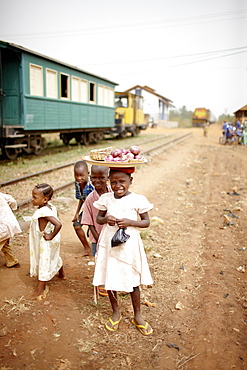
57,226
80,203
103,219
94,232
11,201
143,222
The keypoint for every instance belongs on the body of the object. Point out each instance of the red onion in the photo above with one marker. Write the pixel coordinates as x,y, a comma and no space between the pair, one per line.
116,153
135,149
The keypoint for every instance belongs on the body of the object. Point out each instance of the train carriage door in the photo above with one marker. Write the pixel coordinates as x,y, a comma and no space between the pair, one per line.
10,109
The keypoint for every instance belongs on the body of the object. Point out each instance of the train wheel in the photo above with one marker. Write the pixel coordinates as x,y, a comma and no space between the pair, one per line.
93,137
65,138
100,136
39,146
122,135
85,139
10,153
137,130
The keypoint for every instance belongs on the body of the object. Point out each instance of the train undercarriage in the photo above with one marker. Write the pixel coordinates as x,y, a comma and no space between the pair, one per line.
18,143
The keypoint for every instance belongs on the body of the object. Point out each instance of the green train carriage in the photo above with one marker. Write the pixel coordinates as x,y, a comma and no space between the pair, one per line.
42,95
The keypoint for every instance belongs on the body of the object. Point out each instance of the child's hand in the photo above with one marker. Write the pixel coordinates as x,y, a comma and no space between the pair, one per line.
111,220
123,222
48,236
75,218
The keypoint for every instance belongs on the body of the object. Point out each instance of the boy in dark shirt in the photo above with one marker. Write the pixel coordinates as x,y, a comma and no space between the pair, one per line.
83,188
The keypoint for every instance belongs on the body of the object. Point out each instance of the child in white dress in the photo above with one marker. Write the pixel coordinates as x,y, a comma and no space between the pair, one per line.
125,267
9,226
44,241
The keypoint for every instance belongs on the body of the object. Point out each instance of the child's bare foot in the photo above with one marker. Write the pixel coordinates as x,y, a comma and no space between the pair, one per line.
34,295
61,274
44,294
87,252
39,293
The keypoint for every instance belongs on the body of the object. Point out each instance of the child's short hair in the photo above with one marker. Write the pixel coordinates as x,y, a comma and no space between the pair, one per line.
81,165
46,189
104,170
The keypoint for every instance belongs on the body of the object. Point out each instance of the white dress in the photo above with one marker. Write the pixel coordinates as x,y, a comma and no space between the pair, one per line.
9,226
45,260
123,267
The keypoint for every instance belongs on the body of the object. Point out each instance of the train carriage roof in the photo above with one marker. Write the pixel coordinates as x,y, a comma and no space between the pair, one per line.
5,44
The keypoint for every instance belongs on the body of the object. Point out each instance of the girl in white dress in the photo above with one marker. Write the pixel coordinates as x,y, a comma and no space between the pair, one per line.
44,241
124,267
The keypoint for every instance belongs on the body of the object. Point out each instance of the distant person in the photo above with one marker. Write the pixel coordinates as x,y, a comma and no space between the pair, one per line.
83,188
244,133
123,267
238,129
99,177
238,124
227,130
224,127
118,103
205,128
44,241
9,226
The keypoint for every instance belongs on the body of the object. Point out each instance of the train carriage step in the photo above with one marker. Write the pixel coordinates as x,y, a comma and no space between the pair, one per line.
16,146
15,136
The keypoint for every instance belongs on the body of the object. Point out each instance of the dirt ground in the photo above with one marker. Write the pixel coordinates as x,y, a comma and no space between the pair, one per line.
196,248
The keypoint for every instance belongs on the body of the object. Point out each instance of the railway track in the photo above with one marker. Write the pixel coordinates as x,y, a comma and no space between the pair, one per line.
62,172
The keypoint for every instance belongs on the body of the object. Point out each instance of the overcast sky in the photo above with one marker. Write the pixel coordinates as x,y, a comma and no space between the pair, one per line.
193,52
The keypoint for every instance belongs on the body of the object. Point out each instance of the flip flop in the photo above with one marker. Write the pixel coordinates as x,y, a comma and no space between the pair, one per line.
141,328
113,323
102,291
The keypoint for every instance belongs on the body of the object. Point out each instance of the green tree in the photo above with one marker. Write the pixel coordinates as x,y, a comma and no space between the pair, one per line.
226,117
182,116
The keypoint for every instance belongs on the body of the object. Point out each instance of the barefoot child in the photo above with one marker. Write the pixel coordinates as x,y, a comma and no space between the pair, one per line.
44,241
9,226
125,267
99,177
83,188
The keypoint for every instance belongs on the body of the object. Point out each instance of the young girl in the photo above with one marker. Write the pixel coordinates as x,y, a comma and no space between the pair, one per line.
125,267
44,241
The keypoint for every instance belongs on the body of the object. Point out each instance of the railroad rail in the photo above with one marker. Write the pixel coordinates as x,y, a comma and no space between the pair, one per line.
154,149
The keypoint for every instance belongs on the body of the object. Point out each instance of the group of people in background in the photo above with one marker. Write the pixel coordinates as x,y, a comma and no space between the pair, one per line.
232,129
104,209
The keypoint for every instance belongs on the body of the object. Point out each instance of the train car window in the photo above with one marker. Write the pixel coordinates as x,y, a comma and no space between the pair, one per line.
75,89
83,91
121,102
64,86
51,83
36,80
101,95
111,97
92,92
106,96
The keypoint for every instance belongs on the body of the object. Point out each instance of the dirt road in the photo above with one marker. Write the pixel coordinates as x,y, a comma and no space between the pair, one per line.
197,255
